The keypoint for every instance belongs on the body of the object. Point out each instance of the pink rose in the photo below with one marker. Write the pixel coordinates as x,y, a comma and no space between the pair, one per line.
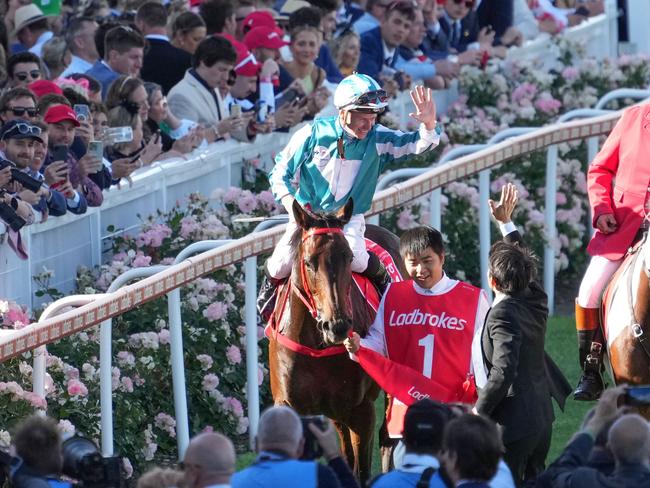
77,388
141,261
215,311
210,382
233,354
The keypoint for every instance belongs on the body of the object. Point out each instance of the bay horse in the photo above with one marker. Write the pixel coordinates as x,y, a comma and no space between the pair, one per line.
310,370
626,319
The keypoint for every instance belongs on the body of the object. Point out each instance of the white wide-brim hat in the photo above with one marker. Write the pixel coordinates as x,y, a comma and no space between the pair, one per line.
27,14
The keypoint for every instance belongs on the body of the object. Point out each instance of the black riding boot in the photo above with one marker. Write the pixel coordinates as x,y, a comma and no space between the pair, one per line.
591,384
377,273
267,296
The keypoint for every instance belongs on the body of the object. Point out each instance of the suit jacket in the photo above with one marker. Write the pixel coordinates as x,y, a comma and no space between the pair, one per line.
517,395
190,99
435,45
618,181
570,471
468,31
498,14
164,64
372,57
104,75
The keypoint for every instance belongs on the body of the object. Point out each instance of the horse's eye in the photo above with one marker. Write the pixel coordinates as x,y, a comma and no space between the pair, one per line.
312,264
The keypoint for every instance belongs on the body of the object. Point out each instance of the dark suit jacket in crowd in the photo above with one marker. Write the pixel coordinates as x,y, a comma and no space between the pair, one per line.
372,57
468,31
570,470
164,64
521,377
496,13
435,46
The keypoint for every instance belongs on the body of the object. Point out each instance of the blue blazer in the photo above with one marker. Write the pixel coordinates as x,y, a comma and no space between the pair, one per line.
469,30
372,57
103,74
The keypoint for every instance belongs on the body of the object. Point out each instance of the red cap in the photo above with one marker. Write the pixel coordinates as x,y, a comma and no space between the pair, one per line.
264,37
246,64
59,113
259,18
41,88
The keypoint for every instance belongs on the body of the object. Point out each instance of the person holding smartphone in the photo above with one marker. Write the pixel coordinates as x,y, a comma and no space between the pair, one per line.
62,122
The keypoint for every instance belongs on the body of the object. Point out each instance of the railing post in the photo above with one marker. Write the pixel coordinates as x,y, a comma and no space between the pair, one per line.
549,218
435,209
106,386
484,227
178,370
250,313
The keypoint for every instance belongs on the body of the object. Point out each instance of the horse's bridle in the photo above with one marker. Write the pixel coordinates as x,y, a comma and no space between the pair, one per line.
305,294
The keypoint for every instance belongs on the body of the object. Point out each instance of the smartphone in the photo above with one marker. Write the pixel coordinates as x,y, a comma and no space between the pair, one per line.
59,152
287,96
637,396
261,111
83,112
116,135
312,449
235,110
96,148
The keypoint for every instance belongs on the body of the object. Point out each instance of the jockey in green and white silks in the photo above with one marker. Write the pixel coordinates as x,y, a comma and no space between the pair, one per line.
337,158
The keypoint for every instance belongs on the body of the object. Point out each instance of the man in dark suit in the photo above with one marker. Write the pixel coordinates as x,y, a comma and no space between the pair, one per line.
518,391
459,22
628,439
379,46
163,63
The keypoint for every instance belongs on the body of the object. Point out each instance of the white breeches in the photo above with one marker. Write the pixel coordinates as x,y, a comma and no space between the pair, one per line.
280,263
596,278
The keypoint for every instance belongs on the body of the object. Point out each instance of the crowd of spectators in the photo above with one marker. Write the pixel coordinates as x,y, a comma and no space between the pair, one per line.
444,446
171,77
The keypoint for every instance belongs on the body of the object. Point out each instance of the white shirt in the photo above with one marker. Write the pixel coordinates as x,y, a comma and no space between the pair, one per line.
38,47
77,65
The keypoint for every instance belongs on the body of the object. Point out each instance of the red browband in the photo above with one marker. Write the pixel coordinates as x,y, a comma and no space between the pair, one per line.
324,230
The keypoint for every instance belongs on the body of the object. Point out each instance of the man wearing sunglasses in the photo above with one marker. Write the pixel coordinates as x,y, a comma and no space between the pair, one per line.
18,103
335,159
22,69
17,142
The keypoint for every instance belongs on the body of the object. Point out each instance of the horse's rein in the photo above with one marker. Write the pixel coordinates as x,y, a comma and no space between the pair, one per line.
305,294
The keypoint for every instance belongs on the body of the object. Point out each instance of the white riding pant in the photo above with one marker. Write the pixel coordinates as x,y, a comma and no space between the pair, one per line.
596,278
280,263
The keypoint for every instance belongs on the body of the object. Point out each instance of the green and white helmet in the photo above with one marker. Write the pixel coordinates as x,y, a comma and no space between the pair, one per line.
360,92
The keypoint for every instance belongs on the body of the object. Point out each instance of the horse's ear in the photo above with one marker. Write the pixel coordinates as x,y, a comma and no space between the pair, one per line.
299,214
345,214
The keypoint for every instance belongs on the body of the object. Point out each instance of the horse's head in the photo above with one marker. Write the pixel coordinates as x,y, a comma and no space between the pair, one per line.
322,264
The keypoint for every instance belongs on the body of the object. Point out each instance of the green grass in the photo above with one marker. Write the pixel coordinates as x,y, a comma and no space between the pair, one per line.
561,345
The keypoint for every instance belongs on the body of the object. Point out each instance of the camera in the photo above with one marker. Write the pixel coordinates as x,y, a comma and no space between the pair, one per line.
9,216
83,462
312,449
26,181
637,396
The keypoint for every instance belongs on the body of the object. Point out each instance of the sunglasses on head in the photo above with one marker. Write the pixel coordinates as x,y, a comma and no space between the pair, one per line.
21,111
373,97
34,74
468,3
23,129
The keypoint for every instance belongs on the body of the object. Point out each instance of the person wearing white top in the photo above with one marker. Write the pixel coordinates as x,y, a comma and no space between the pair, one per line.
80,37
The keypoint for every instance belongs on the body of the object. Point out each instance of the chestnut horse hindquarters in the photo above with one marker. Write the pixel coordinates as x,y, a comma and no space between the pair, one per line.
625,303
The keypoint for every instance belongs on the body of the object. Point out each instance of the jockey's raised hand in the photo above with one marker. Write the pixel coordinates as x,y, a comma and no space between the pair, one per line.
425,107
502,211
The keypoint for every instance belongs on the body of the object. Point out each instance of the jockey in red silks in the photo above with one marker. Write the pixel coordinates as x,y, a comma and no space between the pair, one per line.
618,185
335,159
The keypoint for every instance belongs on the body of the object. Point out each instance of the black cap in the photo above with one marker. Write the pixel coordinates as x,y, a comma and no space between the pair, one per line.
20,129
424,423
